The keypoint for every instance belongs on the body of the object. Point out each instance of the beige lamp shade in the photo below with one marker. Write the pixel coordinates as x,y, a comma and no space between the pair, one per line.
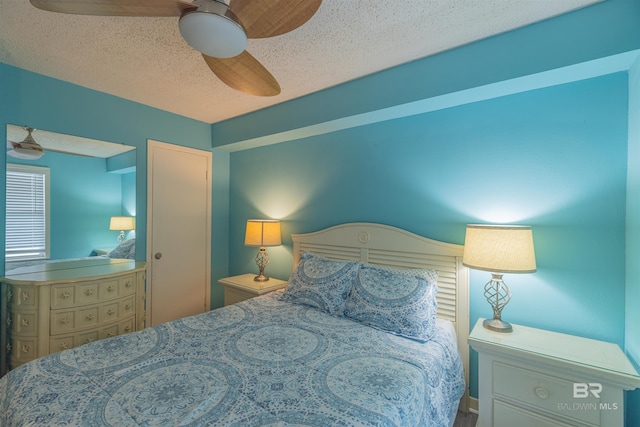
499,248
262,232
121,223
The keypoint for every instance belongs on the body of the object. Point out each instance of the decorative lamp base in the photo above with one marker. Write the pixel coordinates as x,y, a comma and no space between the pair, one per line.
262,259
497,325
498,295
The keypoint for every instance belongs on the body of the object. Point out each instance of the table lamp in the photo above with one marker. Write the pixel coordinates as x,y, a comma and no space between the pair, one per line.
499,249
122,223
261,233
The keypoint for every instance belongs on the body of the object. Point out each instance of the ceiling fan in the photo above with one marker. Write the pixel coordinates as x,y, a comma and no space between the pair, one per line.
217,30
29,149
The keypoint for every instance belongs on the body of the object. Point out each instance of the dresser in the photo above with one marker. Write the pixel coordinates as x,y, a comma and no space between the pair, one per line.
243,287
532,377
60,305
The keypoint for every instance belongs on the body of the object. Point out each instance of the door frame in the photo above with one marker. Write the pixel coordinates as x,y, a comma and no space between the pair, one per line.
151,147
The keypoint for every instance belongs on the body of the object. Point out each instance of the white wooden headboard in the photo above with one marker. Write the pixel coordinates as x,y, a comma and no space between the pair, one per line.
390,246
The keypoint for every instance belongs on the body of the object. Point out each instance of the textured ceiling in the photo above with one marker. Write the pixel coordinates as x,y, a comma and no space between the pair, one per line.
147,61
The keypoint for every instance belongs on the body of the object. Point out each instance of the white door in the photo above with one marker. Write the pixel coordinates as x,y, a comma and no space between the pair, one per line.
178,232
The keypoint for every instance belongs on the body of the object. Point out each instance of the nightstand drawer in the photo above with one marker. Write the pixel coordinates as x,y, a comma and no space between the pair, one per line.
507,415
542,391
232,296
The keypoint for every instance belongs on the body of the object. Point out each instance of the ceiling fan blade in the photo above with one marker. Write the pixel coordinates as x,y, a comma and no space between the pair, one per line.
245,74
115,7
269,18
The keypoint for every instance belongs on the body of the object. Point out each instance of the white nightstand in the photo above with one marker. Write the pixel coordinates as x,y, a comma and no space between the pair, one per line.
532,377
240,288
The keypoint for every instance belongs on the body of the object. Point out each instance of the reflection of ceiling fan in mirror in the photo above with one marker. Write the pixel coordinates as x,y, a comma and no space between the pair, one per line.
29,149
217,30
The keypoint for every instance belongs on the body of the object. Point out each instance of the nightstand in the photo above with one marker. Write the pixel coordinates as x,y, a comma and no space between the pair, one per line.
532,377
240,288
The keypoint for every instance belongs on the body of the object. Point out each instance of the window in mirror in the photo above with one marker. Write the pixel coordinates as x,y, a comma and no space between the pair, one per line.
27,213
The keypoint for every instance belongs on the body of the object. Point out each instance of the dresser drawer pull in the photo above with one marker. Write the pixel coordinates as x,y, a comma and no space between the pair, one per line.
63,345
127,328
111,288
89,292
88,340
25,296
127,307
111,334
111,312
9,296
8,322
65,295
26,349
541,392
128,284
25,322
9,347
65,321
90,317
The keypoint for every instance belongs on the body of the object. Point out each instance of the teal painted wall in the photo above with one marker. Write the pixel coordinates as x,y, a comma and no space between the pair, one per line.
632,296
553,158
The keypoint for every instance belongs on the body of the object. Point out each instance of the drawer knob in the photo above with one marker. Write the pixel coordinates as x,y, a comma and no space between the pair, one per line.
127,328
26,348
25,296
65,295
9,296
90,317
89,292
111,288
541,392
111,312
111,334
127,307
25,322
128,284
64,345
88,340
65,321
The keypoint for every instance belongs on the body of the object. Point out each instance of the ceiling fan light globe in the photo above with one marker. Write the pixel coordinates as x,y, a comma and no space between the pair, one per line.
25,153
213,34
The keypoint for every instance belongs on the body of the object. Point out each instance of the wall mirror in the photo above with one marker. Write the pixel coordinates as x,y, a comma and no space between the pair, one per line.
88,182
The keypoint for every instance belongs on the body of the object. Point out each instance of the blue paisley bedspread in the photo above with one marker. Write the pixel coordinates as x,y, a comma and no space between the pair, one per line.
262,362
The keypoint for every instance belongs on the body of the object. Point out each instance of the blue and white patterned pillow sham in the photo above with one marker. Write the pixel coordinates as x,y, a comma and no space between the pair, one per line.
321,282
399,301
126,249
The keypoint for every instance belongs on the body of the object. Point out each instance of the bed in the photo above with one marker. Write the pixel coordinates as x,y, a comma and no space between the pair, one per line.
287,358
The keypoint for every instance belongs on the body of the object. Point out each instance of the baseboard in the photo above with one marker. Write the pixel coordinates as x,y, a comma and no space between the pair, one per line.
473,405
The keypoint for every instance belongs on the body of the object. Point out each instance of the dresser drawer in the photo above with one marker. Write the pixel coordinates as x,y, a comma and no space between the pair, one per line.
74,295
23,350
22,297
542,391
65,342
24,324
65,321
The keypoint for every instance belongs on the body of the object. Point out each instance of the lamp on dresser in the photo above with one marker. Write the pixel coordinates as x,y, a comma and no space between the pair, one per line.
499,249
122,224
262,233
